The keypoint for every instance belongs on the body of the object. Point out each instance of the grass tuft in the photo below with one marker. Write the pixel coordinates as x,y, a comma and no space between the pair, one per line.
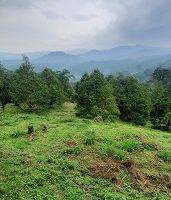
164,155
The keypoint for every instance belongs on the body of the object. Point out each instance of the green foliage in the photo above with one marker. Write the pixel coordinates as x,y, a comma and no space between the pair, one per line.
64,78
90,138
165,155
94,97
161,106
73,150
131,145
120,154
54,88
132,98
27,89
112,149
162,75
17,134
5,96
43,169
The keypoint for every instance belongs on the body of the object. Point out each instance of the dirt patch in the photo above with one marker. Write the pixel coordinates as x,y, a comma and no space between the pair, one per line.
148,145
129,164
107,170
138,179
163,181
110,169
142,180
71,143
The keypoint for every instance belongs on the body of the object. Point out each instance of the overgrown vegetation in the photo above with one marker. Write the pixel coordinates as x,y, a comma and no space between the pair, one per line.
81,159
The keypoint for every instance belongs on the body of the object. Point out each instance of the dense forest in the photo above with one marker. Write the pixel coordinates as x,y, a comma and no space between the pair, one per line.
96,96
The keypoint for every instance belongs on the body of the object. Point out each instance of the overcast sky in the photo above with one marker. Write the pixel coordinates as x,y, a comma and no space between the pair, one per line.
34,25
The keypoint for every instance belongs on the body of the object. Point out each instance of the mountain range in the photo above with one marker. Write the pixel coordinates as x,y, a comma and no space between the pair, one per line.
126,59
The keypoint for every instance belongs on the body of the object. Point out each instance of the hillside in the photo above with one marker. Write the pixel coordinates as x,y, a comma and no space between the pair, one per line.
81,159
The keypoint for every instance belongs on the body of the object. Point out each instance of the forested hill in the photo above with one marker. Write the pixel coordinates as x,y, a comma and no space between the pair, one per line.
127,59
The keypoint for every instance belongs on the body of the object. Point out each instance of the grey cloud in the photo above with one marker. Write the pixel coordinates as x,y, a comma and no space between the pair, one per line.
16,4
145,21
67,24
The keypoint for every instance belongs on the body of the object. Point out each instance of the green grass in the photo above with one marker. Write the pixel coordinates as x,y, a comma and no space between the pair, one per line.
81,159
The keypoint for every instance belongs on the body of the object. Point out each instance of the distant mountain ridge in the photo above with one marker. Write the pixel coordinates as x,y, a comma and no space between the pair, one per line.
18,56
127,59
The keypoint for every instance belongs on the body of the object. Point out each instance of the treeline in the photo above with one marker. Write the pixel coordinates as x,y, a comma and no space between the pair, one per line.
95,95
127,98
30,90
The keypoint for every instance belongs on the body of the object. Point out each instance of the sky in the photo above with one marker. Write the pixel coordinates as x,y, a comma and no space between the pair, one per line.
49,25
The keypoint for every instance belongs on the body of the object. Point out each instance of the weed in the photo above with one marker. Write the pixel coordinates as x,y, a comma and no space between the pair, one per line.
17,134
120,154
90,138
108,149
131,145
73,150
165,155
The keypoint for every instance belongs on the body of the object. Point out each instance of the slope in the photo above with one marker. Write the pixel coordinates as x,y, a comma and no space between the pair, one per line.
81,159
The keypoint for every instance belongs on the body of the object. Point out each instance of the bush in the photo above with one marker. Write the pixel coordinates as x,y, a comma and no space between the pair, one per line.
120,154
131,145
112,149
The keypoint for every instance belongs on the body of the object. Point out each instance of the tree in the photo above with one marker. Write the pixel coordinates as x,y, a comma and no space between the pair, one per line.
54,87
162,75
27,88
132,99
161,107
160,96
94,96
64,78
5,97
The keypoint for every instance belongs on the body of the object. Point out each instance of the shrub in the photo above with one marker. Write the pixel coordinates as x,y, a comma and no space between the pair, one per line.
131,145
112,149
120,154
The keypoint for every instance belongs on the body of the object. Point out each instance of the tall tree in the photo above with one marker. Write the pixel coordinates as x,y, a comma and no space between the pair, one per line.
133,100
5,97
162,75
27,89
64,77
161,107
54,88
94,96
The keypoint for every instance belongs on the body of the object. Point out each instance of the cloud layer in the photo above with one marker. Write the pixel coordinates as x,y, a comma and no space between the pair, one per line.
69,24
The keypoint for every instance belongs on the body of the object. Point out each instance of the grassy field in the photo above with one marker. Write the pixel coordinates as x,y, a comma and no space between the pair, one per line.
81,159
